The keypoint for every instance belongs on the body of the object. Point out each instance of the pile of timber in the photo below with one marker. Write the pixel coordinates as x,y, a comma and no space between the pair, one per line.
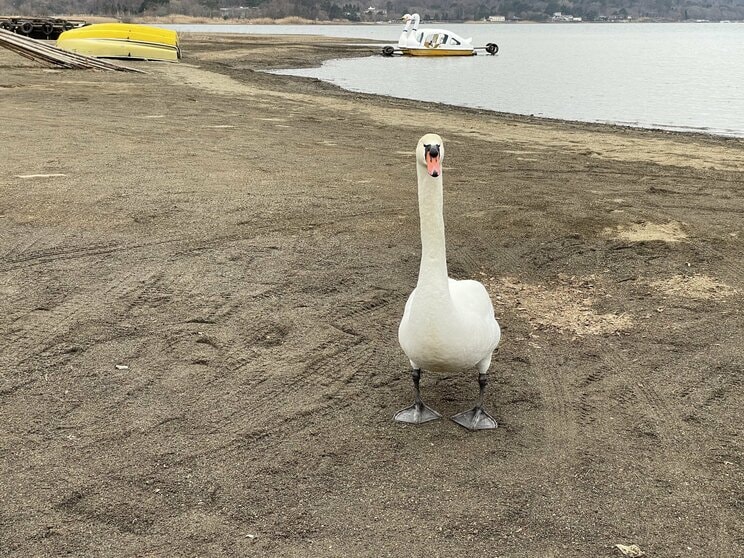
53,56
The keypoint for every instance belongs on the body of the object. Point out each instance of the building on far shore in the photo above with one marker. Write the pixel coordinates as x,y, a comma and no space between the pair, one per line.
558,16
239,12
496,19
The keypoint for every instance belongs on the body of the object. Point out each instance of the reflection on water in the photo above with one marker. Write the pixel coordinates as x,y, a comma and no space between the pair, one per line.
675,76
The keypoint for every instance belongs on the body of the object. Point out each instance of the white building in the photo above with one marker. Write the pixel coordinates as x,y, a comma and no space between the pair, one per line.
558,16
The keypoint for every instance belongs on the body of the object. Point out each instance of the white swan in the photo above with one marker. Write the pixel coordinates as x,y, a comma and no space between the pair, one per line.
447,325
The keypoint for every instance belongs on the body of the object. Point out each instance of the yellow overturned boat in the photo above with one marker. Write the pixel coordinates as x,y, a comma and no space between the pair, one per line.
122,40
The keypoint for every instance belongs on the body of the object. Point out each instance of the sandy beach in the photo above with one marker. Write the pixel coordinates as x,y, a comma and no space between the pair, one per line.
203,269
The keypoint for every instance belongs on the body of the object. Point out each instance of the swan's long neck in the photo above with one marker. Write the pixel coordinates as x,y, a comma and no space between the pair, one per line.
433,271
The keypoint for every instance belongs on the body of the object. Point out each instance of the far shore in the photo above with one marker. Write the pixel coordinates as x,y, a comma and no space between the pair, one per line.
180,19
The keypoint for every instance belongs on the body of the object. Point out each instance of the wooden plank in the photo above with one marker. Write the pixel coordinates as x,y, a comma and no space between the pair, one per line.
41,52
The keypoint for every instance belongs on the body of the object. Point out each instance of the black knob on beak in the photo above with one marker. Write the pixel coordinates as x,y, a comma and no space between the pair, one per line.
434,151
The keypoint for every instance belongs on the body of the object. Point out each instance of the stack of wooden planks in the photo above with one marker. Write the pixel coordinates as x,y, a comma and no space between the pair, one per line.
46,54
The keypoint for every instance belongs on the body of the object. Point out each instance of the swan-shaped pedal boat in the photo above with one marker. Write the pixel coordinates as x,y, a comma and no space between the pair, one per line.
433,42
448,325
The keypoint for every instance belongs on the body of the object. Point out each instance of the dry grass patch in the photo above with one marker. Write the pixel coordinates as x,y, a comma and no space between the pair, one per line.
699,287
566,307
645,232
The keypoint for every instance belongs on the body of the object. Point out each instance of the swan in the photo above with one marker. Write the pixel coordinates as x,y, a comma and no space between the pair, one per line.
447,325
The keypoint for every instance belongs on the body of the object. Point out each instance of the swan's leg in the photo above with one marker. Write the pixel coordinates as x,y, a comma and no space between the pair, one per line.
477,418
418,412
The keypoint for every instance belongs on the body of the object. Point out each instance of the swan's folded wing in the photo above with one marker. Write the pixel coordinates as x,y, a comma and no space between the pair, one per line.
471,296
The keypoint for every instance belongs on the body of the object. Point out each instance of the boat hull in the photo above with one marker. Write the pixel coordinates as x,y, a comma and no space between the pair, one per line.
437,52
120,40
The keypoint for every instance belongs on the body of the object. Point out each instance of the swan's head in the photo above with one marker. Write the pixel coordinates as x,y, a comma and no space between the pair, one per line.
430,153
407,17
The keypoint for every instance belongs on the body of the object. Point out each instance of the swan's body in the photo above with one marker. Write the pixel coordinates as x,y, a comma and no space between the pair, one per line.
450,331
447,325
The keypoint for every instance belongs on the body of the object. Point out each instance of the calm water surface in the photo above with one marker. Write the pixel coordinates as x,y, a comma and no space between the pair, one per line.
687,77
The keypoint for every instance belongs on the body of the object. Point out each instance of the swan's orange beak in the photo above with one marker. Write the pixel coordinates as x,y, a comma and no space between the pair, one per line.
433,164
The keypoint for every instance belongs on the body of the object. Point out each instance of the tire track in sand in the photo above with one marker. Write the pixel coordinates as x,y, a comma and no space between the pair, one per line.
25,343
284,405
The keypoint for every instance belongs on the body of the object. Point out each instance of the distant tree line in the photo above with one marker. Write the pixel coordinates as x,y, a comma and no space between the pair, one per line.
383,10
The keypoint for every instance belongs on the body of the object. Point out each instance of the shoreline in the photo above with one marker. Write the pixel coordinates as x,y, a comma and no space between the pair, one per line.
619,127
317,61
351,48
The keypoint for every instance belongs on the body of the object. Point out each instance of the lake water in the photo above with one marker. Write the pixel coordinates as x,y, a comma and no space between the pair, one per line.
678,76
